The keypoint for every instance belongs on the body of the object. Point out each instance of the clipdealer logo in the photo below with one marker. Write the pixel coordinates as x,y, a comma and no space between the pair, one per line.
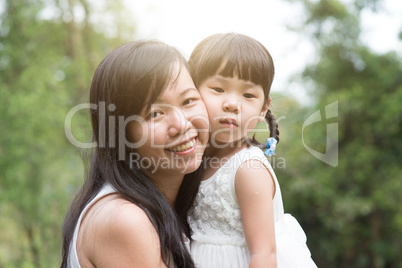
330,156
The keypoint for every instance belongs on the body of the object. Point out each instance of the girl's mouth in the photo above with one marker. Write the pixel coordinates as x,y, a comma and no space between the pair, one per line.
228,122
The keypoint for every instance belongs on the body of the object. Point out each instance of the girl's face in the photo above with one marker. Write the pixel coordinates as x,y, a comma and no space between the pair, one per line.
172,137
234,107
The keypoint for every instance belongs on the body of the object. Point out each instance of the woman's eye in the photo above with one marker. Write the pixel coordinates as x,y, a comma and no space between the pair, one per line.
189,101
154,114
248,95
217,89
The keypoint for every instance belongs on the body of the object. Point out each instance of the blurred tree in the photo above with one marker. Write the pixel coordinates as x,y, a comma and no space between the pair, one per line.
48,53
351,213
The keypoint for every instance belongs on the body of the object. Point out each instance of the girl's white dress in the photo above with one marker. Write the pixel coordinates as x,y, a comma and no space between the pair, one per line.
218,236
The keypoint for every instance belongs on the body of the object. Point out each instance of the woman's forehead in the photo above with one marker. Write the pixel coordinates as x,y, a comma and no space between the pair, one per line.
180,84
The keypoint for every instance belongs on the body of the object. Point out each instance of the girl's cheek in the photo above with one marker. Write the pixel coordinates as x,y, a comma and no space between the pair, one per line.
200,112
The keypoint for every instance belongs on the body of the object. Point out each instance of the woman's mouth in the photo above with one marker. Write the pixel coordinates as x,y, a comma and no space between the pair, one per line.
184,147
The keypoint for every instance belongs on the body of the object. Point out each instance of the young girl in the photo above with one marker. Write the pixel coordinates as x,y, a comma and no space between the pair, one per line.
238,218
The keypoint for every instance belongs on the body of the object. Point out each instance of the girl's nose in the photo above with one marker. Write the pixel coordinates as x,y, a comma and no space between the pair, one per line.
231,105
178,123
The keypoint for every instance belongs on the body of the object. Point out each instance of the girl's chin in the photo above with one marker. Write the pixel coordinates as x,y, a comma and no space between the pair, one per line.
224,141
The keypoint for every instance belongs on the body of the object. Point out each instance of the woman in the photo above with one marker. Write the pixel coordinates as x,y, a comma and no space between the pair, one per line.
152,131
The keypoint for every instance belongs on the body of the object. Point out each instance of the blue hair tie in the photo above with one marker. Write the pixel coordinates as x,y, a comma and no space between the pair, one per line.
271,146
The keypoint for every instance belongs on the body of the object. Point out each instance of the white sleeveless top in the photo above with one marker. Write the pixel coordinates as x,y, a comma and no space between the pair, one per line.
216,222
73,255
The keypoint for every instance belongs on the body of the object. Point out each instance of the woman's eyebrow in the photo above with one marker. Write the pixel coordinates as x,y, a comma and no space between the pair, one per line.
187,90
184,92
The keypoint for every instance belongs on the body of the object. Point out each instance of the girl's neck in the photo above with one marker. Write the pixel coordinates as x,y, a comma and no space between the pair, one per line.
216,156
226,150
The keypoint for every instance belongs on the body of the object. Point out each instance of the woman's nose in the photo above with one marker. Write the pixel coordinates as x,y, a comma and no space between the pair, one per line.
178,123
231,105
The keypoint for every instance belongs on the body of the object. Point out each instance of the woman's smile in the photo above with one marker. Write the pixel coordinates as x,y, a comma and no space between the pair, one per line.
185,147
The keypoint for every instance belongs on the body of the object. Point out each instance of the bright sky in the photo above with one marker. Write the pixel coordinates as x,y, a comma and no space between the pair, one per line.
184,23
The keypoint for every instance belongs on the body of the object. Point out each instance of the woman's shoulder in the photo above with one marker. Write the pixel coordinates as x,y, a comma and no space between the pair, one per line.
116,214
121,231
117,218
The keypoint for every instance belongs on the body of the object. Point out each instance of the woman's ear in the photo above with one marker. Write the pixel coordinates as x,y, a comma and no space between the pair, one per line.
264,109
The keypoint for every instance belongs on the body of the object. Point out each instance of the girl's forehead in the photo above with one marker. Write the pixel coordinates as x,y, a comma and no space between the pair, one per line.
233,69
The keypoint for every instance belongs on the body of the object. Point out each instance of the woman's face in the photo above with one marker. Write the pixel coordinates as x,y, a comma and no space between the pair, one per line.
172,137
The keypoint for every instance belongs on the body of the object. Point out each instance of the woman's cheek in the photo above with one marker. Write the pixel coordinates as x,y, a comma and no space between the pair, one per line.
135,132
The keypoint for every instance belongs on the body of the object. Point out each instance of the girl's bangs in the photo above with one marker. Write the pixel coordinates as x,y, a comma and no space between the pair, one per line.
235,56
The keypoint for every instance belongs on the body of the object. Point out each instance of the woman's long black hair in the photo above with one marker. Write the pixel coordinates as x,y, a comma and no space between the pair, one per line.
125,83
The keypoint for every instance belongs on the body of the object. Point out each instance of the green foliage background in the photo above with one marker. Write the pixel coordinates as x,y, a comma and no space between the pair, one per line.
351,213
46,66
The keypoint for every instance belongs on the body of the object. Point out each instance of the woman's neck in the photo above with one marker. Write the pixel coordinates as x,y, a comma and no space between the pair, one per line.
170,190
168,185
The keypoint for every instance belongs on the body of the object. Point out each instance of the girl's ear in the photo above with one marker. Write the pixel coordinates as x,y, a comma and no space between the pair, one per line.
264,109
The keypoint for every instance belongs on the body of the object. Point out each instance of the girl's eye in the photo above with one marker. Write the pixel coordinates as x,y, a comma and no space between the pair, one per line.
217,89
248,95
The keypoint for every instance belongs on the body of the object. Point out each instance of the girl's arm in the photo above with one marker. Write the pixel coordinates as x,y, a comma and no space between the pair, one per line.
255,190
119,234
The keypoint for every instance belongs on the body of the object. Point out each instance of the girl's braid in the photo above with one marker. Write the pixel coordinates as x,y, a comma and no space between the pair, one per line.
273,126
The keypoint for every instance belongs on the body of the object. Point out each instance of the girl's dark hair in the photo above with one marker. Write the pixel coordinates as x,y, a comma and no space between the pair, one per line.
125,83
233,54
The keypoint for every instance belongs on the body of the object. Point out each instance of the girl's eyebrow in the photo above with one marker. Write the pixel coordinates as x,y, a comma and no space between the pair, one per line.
219,78
246,84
